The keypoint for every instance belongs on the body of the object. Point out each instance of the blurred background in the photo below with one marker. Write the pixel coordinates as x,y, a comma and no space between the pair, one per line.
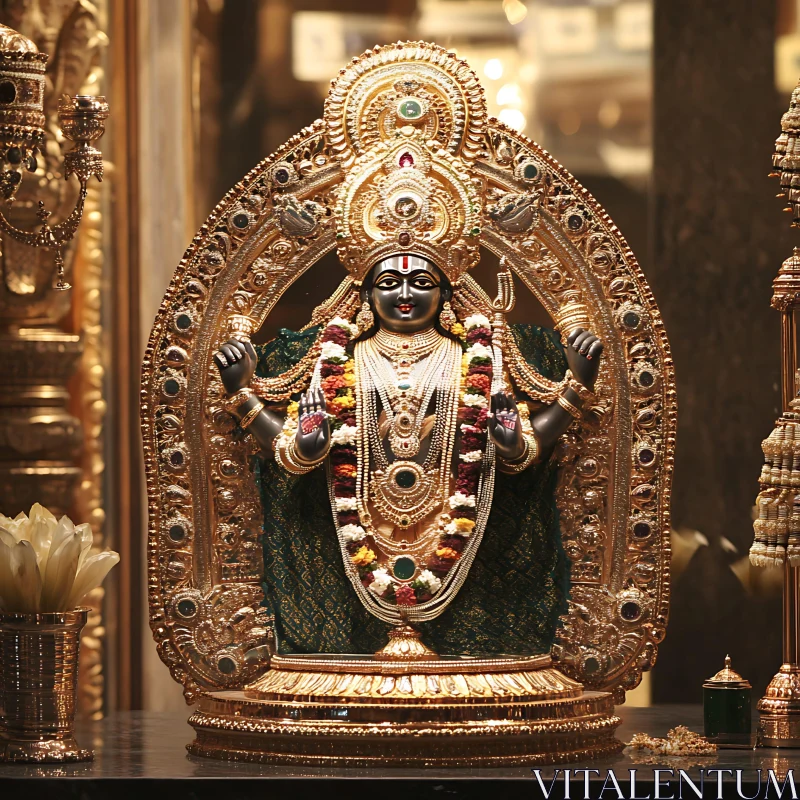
666,110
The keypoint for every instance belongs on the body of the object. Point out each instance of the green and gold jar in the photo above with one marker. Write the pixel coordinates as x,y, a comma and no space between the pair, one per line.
726,707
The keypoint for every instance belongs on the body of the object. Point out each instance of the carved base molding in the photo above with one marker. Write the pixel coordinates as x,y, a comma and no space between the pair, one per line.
360,711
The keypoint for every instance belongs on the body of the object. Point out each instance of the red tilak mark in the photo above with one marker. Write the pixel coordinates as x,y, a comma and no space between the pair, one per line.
404,266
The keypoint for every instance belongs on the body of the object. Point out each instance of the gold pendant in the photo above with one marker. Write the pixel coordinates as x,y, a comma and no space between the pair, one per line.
403,441
404,494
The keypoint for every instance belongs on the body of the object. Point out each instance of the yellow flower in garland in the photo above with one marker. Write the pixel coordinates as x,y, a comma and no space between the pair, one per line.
447,553
292,410
350,366
464,524
349,378
457,329
346,401
363,557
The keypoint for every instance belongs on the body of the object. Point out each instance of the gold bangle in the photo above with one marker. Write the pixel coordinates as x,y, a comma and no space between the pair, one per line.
583,392
238,398
529,455
250,416
287,457
569,407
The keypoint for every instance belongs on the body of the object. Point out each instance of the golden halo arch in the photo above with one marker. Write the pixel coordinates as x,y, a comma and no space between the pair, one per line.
204,557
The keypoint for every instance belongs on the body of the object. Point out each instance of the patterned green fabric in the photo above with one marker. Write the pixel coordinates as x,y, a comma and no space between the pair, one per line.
517,586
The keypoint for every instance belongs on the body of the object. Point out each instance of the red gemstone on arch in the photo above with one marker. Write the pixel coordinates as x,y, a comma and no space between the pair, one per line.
406,160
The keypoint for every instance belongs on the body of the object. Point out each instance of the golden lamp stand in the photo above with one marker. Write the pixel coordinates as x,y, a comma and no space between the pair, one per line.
780,707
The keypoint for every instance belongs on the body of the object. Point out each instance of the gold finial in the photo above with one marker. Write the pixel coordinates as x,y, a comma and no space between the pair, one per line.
727,677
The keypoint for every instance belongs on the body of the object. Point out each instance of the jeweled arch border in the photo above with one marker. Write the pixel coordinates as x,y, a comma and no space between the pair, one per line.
204,588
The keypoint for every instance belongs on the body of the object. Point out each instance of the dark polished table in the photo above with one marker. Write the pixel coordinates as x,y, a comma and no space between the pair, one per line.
140,753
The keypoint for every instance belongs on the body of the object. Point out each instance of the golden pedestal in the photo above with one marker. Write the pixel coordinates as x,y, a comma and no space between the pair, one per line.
362,711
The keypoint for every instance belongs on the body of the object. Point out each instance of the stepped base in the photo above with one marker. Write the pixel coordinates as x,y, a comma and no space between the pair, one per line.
360,711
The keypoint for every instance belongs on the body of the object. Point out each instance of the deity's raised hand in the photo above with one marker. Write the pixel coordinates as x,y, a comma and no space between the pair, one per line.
583,356
313,430
236,362
504,426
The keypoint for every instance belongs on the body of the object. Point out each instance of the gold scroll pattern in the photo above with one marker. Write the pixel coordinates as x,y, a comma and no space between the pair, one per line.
205,517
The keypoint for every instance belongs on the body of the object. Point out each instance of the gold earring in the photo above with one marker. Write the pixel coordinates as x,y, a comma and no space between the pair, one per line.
365,319
447,317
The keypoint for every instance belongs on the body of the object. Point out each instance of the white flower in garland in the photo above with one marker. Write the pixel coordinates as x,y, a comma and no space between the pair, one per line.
344,435
353,533
476,321
461,500
380,582
475,400
451,529
472,455
478,350
331,351
429,580
346,504
341,322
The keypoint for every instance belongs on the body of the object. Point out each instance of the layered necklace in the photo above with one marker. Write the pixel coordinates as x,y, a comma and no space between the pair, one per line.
404,372
386,469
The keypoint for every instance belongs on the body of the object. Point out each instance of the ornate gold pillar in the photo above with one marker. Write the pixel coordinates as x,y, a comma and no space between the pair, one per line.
52,403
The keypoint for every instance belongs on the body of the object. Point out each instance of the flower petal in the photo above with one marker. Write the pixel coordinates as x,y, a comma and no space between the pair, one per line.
25,574
60,576
92,574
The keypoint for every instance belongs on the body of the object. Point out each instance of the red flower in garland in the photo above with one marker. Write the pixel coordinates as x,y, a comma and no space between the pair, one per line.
405,596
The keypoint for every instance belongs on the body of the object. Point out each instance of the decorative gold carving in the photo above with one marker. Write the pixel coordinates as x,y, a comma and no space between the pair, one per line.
607,497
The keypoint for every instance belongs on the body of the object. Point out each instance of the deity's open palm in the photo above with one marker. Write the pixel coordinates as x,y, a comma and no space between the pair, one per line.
313,430
504,426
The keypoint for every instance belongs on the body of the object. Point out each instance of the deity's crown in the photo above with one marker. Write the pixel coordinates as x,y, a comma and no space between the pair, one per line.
407,122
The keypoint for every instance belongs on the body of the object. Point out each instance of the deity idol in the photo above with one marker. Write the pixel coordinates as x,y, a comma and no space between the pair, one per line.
409,531
405,416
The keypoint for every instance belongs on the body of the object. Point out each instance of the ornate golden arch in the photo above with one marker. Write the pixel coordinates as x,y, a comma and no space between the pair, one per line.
616,467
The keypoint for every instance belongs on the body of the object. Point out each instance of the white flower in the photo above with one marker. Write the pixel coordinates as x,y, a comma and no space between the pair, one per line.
451,529
472,455
380,582
47,564
346,504
341,322
476,321
427,578
332,350
461,500
344,435
477,400
478,350
353,533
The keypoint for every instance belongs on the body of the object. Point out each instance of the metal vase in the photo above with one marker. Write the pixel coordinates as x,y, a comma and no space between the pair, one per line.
39,685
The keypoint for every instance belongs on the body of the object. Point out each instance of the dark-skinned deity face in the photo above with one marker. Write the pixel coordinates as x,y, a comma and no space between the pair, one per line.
406,293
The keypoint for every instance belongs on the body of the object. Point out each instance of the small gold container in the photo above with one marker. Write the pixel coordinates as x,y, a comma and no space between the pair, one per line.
727,711
39,685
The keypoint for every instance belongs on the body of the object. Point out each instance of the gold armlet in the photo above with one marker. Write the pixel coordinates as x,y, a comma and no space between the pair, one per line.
529,455
250,416
569,407
238,399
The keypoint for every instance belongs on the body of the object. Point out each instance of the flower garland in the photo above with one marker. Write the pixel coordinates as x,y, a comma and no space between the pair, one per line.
335,369
473,416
